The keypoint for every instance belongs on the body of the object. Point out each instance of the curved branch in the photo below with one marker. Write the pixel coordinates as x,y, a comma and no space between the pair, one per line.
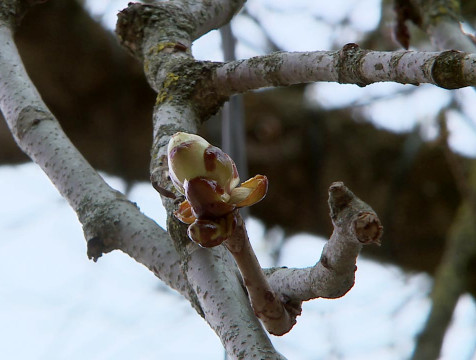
355,225
350,65
210,15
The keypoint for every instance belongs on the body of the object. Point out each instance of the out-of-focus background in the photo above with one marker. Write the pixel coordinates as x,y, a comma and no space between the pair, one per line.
406,150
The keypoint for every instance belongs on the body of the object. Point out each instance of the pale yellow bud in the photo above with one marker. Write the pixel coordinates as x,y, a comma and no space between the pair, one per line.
190,156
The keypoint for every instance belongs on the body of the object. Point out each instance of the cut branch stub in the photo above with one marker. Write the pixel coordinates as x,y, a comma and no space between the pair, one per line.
208,179
368,228
130,27
345,206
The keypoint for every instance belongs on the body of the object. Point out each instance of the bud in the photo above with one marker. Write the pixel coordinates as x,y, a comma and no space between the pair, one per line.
190,156
208,179
210,233
206,198
250,192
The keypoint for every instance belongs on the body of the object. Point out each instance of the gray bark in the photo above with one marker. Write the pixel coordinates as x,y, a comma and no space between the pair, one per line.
350,65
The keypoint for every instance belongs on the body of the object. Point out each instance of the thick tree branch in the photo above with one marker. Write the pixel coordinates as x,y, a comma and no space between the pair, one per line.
109,220
350,65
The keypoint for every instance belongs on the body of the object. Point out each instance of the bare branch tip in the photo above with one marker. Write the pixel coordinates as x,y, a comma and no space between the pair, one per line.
339,197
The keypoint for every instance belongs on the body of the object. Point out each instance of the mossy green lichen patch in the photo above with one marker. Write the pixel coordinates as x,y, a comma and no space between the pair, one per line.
163,95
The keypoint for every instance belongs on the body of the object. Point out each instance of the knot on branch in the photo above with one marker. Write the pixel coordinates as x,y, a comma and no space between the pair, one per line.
349,63
98,246
447,70
102,223
29,118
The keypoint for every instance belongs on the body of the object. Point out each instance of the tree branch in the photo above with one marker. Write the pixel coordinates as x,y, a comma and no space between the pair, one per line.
441,23
109,220
350,65
452,275
355,224
278,302
450,281
187,95
277,319
183,102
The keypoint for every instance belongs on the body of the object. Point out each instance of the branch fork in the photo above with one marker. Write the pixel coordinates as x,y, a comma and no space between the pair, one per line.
208,179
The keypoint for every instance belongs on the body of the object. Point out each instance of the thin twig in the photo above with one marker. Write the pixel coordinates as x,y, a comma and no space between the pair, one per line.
267,306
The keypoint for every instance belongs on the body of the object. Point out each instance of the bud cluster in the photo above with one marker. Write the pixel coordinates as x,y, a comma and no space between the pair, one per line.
208,179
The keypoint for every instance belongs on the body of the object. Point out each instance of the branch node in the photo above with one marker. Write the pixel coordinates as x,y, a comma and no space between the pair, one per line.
447,70
294,308
348,66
